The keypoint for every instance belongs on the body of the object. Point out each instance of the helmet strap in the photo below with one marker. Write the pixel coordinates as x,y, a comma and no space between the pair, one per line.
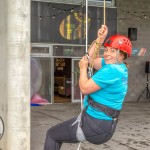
117,55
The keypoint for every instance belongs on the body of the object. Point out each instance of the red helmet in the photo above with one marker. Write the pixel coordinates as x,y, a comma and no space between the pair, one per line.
120,42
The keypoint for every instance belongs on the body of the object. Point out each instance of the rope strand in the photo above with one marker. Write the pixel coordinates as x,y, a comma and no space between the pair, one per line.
104,12
96,50
86,51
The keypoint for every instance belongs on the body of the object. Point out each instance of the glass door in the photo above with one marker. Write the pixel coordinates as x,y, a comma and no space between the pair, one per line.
76,96
62,80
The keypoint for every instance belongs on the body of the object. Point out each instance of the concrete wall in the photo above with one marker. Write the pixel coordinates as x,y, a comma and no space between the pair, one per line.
137,12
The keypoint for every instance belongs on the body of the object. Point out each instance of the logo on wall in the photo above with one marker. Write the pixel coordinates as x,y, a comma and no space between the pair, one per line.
74,26
139,51
1,128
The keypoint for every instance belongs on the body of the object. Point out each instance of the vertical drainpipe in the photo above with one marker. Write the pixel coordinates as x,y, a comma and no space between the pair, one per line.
18,74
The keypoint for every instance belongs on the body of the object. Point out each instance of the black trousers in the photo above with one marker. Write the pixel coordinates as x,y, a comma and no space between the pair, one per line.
96,131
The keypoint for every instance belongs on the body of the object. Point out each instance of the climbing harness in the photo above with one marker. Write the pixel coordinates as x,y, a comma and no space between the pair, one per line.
113,113
79,133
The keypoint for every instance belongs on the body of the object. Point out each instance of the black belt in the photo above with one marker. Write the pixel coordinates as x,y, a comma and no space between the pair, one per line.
107,110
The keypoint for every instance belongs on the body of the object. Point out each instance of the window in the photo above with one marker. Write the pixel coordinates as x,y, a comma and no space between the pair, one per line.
110,3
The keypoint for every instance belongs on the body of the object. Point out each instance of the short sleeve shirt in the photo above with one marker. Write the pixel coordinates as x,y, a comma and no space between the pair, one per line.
113,80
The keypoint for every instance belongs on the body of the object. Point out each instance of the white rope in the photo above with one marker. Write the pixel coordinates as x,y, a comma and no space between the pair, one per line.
86,26
86,43
79,146
81,100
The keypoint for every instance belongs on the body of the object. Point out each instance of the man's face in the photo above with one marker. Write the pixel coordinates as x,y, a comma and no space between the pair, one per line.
110,55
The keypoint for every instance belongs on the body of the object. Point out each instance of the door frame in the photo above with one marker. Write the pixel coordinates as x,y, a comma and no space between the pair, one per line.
73,100
45,55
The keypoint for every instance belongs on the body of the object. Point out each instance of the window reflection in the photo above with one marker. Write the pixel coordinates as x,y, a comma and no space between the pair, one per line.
75,51
40,80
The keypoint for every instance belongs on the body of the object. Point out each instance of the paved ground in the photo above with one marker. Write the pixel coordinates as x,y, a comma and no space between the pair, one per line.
133,130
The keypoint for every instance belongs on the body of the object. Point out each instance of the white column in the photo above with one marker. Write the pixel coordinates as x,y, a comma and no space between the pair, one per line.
3,68
18,74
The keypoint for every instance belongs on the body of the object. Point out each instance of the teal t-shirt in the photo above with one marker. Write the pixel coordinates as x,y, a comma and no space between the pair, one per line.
113,82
